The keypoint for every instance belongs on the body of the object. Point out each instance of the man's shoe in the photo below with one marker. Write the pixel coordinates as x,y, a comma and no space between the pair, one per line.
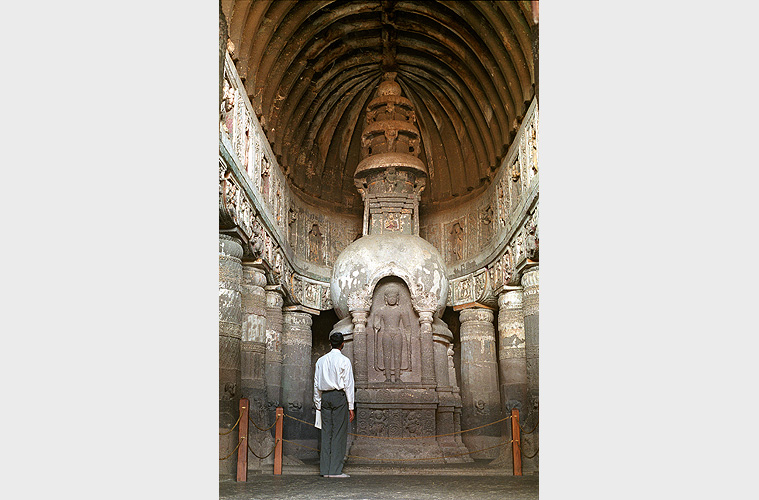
340,475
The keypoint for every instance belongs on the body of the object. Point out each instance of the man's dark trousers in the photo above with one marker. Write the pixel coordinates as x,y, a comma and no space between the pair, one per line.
334,432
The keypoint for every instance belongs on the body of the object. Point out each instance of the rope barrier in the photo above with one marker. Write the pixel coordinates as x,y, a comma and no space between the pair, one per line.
261,458
238,445
406,459
299,420
233,427
414,437
298,444
533,429
261,429
522,451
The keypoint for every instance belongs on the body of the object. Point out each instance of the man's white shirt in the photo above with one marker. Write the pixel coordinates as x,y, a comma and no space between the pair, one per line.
333,371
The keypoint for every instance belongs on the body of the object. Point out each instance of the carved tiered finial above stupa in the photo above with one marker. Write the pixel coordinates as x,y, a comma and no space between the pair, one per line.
390,176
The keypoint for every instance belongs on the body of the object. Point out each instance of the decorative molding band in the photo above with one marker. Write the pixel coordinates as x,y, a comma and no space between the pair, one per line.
511,299
254,347
512,352
228,329
476,315
297,320
293,339
274,357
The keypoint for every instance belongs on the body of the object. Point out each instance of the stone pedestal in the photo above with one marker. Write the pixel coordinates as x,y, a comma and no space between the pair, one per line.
397,411
252,358
481,403
530,284
298,383
230,333
273,356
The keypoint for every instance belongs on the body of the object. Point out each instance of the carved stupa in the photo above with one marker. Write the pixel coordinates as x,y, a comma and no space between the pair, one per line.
406,392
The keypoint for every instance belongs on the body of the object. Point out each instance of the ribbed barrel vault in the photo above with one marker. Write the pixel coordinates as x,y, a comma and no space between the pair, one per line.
311,67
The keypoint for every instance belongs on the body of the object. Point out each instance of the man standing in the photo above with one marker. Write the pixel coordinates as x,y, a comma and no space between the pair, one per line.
333,397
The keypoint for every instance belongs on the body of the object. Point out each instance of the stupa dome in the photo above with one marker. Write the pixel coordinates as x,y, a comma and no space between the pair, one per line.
365,261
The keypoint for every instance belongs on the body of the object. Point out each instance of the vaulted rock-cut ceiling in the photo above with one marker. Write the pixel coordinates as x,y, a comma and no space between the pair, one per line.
310,68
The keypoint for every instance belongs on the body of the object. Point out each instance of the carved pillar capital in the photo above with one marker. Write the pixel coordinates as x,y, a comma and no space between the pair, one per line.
297,319
360,301
476,314
253,275
230,246
510,298
274,297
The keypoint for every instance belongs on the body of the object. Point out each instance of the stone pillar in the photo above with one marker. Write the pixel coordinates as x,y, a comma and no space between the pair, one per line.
252,357
511,352
230,333
298,383
253,336
273,357
481,403
428,362
530,282
511,365
360,367
444,416
457,399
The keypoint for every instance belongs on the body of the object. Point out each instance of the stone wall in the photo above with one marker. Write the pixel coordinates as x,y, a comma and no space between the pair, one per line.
471,234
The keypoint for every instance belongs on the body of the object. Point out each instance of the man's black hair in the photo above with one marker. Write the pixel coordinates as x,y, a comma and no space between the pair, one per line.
336,339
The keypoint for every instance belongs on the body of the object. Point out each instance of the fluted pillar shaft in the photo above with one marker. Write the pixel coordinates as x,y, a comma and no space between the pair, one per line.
479,381
230,333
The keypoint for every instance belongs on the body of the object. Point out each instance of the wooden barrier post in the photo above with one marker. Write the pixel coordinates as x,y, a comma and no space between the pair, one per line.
242,450
516,444
278,442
